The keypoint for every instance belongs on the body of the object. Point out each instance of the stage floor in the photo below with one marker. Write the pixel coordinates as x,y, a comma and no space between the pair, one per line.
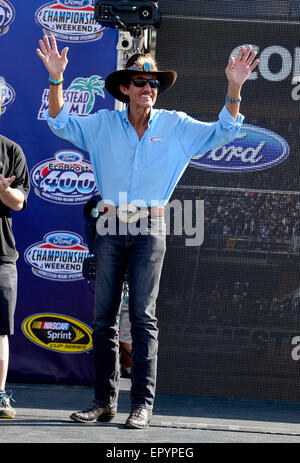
43,417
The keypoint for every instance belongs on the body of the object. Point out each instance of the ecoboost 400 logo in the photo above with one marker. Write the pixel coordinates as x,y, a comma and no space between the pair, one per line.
7,16
70,20
58,257
8,95
79,97
67,178
57,332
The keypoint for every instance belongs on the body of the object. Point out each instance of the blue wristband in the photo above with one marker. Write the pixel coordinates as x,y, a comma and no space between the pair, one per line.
55,82
232,100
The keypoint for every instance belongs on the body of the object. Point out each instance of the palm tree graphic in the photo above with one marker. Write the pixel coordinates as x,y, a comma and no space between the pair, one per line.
93,85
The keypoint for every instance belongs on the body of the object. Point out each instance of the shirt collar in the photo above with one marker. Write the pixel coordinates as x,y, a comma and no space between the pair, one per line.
126,111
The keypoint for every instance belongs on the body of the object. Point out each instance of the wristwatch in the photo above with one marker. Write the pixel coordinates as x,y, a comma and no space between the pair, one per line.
232,100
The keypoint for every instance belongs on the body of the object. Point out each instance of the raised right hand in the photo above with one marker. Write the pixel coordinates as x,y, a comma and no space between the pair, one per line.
54,62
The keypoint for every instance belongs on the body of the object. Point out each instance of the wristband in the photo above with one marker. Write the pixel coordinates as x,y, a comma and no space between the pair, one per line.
55,82
232,100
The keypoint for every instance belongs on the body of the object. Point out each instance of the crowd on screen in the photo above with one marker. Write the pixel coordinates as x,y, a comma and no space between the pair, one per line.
270,220
244,304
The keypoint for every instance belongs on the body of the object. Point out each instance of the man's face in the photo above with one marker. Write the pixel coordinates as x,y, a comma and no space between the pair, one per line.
141,97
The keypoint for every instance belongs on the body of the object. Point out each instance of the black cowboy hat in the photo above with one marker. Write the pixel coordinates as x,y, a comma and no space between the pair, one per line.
116,78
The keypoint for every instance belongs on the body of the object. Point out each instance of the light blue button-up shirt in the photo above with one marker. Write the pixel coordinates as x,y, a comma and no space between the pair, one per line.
146,171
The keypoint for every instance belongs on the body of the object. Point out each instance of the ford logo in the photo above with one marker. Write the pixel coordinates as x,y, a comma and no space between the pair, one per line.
68,157
75,3
254,148
62,240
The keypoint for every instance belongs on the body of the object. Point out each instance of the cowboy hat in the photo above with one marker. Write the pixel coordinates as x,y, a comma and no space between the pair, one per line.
138,64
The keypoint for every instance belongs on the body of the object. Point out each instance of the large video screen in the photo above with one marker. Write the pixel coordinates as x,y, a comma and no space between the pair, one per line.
229,308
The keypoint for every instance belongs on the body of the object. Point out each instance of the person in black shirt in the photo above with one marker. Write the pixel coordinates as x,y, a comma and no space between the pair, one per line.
14,189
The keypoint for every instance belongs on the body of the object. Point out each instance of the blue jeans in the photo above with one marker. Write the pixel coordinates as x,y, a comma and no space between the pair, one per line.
142,255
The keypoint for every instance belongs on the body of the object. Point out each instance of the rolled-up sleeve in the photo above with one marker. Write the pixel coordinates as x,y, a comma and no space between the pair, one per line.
199,137
60,121
72,127
229,123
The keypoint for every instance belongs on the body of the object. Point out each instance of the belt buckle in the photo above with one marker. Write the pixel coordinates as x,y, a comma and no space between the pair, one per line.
128,213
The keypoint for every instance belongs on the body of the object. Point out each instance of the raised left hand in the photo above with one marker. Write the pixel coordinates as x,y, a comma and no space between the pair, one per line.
5,182
238,70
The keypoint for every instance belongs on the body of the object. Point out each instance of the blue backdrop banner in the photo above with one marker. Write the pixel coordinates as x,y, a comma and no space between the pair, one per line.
52,341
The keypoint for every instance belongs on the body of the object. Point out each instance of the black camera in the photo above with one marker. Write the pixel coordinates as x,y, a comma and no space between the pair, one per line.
91,215
126,15
89,268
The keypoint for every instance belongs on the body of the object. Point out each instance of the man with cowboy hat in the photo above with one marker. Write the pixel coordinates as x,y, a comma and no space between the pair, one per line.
138,156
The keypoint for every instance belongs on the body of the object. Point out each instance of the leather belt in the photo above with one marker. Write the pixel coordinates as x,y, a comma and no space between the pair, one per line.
129,213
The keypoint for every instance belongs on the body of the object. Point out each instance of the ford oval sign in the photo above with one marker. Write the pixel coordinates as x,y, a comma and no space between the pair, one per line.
75,3
254,148
63,240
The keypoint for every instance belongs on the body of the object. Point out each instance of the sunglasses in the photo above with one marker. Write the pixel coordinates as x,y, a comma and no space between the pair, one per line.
141,82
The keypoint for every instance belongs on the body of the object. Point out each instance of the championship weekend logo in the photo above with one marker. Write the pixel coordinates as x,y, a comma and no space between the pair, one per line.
7,16
58,257
79,97
70,20
67,178
58,333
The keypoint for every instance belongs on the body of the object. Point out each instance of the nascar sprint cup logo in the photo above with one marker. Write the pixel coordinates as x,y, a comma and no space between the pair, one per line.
57,332
58,257
67,178
7,15
254,148
70,20
79,97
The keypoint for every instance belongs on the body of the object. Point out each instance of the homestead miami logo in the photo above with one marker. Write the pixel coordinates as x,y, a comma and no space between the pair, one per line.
58,333
70,20
67,178
58,257
7,16
79,97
